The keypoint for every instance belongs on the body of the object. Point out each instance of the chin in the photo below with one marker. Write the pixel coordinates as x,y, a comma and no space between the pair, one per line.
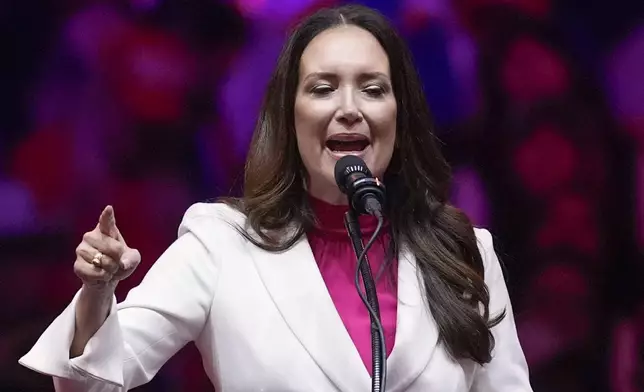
366,155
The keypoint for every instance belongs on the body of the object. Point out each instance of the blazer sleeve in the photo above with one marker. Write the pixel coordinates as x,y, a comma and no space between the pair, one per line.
158,317
508,370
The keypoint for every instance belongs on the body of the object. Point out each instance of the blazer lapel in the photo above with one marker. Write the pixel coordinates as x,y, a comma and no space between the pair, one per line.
416,332
295,285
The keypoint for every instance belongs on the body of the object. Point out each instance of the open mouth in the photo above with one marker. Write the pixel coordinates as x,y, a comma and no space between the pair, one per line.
347,143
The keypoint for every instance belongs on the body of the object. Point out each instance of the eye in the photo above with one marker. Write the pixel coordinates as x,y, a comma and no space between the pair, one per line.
374,91
322,90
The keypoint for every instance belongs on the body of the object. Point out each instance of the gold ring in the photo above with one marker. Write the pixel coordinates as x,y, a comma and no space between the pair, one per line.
96,261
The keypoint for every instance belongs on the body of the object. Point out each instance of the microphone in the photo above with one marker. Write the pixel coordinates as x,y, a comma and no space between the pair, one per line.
365,192
366,196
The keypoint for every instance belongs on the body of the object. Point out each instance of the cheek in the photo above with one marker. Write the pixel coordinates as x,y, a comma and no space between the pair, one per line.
311,119
382,120
309,131
307,145
383,127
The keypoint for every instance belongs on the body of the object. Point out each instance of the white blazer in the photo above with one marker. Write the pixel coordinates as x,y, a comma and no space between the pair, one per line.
265,322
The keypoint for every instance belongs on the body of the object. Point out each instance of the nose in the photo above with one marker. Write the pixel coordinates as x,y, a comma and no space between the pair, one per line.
349,113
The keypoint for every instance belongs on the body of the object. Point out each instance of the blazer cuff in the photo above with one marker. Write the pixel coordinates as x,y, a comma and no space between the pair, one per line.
101,360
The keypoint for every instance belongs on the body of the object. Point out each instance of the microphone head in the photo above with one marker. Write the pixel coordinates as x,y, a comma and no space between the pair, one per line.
366,194
346,168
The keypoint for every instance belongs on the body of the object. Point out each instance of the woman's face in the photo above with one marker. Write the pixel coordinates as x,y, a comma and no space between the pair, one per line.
344,105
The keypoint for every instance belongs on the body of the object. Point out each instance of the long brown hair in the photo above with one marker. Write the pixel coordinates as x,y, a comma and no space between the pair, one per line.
440,236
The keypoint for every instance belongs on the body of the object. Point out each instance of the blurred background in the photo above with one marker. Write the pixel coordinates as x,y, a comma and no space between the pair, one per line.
149,105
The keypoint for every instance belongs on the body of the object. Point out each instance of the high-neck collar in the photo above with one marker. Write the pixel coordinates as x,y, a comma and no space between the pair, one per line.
330,218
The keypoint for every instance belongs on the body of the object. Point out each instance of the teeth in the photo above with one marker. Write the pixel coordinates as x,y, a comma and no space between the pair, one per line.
339,141
347,145
349,138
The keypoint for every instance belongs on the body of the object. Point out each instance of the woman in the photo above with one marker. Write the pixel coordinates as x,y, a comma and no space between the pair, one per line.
264,284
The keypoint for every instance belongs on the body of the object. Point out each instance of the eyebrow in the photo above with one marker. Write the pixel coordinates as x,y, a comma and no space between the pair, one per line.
332,75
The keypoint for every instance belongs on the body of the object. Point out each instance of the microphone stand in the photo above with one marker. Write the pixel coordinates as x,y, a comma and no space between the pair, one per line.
378,351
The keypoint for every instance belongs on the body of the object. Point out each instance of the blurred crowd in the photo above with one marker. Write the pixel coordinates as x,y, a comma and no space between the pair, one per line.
148,105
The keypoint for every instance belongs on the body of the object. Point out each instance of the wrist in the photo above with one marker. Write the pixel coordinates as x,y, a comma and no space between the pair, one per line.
98,293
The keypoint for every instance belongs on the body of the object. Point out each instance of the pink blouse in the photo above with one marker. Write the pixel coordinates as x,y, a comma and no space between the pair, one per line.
336,260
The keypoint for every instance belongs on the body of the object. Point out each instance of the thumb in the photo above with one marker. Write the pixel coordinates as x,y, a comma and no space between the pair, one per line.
107,223
130,259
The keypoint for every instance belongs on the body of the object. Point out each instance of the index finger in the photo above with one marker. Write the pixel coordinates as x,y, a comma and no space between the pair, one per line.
107,223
